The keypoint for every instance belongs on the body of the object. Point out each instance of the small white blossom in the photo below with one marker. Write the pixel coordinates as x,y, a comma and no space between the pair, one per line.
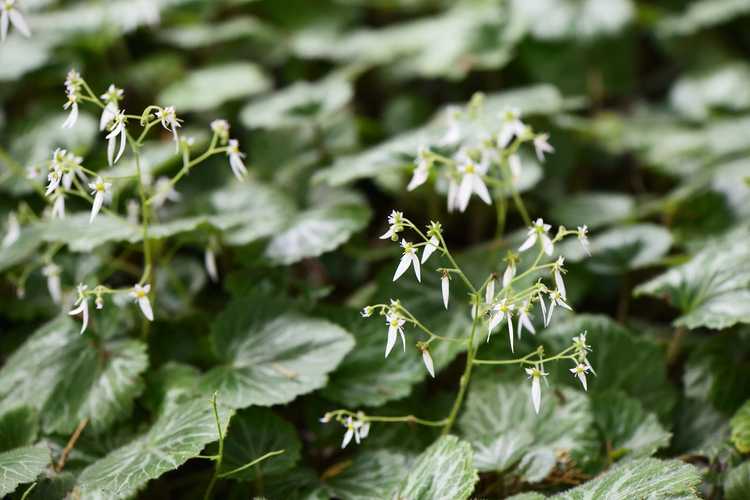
54,177
558,271
427,359
422,169
471,182
524,321
353,430
502,310
535,374
58,207
99,302
100,190
12,231
408,259
510,272
511,126
580,371
366,311
140,294
71,104
429,248
396,225
235,160
221,129
541,146
583,238
112,98
395,327
117,129
445,286
83,307
168,118
52,273
555,299
9,14
538,232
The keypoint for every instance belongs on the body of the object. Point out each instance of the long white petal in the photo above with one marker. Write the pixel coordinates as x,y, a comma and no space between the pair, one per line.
549,314
402,266
562,303
528,243
403,338
428,362
97,205
560,284
582,378
429,248
464,193
445,285
210,263
452,196
489,291
544,309
417,268
53,285
83,309
508,275
3,25
392,335
111,143
481,189
347,438
123,140
495,320
510,333
19,22
536,393
547,244
525,322
145,306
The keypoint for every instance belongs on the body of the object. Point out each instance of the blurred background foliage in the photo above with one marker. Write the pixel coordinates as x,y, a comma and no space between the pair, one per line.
648,107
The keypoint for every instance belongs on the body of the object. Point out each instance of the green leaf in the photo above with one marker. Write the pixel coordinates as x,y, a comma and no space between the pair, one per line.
621,248
702,14
625,426
622,361
506,433
253,432
18,427
21,55
23,248
740,425
69,377
210,87
737,482
724,87
593,209
21,465
175,437
269,355
195,36
712,289
556,19
444,470
372,475
643,478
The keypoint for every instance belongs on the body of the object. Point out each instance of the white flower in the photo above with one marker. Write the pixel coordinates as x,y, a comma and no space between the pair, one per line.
583,232
54,177
140,294
221,129
235,160
99,302
510,273
12,231
427,359
73,81
555,299
395,327
514,162
535,374
558,271
9,14
541,146
168,118
72,103
209,260
445,285
353,428
512,126
471,182
366,311
538,231
408,259
422,169
580,371
502,310
112,99
164,191
524,321
489,291
83,307
52,272
117,129
430,247
99,190
58,207
395,219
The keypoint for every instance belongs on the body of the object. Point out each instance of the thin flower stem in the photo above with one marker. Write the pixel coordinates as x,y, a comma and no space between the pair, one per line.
375,418
528,358
464,383
219,456
410,317
251,464
455,265
71,444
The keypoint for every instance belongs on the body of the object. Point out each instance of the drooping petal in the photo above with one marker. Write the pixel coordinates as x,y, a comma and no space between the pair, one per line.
145,306
429,248
560,284
489,291
83,310
428,362
445,285
392,336
403,265
347,438
552,304
547,245
464,193
509,274
403,338
528,243
582,378
3,24
123,140
417,268
419,178
210,262
510,333
480,188
536,393
525,322
19,22
97,205
544,309
452,196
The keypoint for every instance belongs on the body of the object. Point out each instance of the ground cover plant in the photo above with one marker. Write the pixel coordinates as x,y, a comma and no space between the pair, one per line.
374,249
